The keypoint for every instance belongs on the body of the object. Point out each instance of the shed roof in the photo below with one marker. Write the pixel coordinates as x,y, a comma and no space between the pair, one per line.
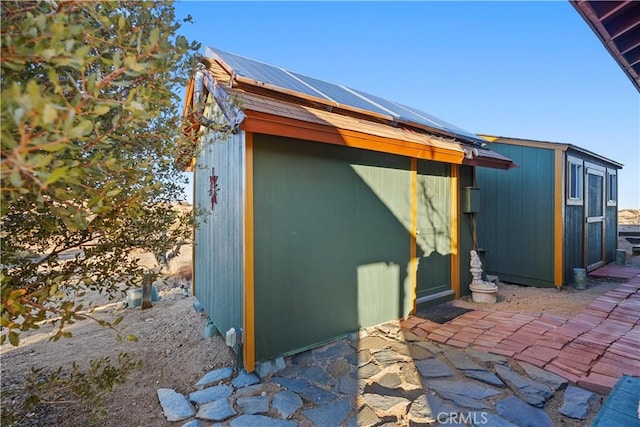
277,110
549,145
617,25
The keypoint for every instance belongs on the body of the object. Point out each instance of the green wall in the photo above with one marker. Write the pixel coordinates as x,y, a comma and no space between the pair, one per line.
332,242
516,218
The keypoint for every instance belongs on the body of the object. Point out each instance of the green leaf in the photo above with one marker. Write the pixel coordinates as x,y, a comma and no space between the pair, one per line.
82,129
56,175
49,114
14,338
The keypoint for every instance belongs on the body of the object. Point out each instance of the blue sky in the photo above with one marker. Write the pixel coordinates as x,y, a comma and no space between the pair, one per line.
531,70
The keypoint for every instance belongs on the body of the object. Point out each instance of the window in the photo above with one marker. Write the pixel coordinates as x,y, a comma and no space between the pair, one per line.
612,187
575,181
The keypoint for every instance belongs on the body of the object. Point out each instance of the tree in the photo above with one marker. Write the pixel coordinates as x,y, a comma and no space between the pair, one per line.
90,124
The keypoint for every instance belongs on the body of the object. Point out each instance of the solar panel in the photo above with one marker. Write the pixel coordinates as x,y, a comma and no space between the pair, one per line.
334,93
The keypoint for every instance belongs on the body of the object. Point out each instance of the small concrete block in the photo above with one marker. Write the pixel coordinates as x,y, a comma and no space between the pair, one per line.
215,376
264,369
174,405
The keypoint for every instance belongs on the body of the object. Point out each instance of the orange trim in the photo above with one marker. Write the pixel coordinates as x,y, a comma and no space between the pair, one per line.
413,260
269,124
558,216
454,226
249,352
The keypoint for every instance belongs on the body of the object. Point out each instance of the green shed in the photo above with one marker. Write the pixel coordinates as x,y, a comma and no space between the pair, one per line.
556,212
325,209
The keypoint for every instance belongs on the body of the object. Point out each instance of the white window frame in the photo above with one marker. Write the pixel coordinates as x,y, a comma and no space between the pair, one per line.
579,198
612,199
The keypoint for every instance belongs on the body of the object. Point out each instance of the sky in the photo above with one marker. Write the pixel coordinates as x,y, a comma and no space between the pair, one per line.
532,70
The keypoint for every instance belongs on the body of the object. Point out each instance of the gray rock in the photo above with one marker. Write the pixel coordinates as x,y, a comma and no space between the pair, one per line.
317,395
387,357
484,419
373,343
364,356
390,384
410,374
578,403
292,383
347,385
192,423
461,360
532,392
215,376
290,371
218,410
420,411
439,406
264,369
339,350
210,394
174,405
433,348
367,417
286,403
386,404
304,359
330,415
317,375
260,421
521,413
368,370
245,379
339,368
465,393
254,404
486,357
251,390
553,381
484,376
433,368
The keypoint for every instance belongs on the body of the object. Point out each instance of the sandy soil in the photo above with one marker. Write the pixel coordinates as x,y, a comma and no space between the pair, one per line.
175,354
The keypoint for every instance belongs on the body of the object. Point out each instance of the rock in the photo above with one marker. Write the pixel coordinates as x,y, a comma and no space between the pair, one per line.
339,368
174,405
433,368
368,370
373,343
317,395
553,381
464,393
364,357
210,394
420,412
439,406
390,384
578,403
218,410
339,350
330,415
292,384
264,369
485,376
192,423
317,375
386,405
367,417
304,359
410,374
215,376
532,392
388,357
251,390
254,404
286,403
461,360
245,379
521,413
409,336
482,419
347,385
486,357
260,421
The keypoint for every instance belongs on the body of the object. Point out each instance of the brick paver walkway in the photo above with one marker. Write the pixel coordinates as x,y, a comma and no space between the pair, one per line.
592,350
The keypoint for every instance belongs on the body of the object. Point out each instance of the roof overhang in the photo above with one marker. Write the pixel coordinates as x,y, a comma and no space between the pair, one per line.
617,25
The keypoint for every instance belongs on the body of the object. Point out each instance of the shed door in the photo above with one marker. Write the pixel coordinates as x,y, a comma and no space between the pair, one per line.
595,218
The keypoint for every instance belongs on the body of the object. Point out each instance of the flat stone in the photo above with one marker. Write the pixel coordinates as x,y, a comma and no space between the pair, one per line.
292,384
245,379
290,371
410,374
210,394
532,392
433,348
367,417
386,405
420,411
521,413
174,405
215,376
260,421
317,375
486,357
286,403
461,360
304,359
317,395
368,370
389,329
485,376
462,388
577,403
388,357
339,368
218,410
339,350
373,343
264,369
409,336
347,385
332,414
364,356
251,390
419,353
192,423
553,381
390,384
484,419
433,368
440,406
463,400
254,404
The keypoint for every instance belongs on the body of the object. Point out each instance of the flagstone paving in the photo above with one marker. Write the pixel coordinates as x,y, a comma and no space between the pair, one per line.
482,368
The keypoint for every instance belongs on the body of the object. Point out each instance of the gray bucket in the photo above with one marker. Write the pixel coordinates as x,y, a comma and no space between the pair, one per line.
621,257
580,278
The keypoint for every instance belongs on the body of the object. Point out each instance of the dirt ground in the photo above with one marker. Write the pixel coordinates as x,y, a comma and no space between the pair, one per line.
175,353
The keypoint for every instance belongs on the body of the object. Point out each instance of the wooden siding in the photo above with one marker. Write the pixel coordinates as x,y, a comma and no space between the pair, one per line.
332,242
611,233
465,227
573,240
218,249
516,218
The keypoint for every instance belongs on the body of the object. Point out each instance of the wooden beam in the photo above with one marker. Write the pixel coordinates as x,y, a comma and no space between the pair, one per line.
249,352
558,222
455,229
413,260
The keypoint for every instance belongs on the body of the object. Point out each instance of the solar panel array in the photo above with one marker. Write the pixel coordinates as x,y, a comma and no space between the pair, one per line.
334,93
